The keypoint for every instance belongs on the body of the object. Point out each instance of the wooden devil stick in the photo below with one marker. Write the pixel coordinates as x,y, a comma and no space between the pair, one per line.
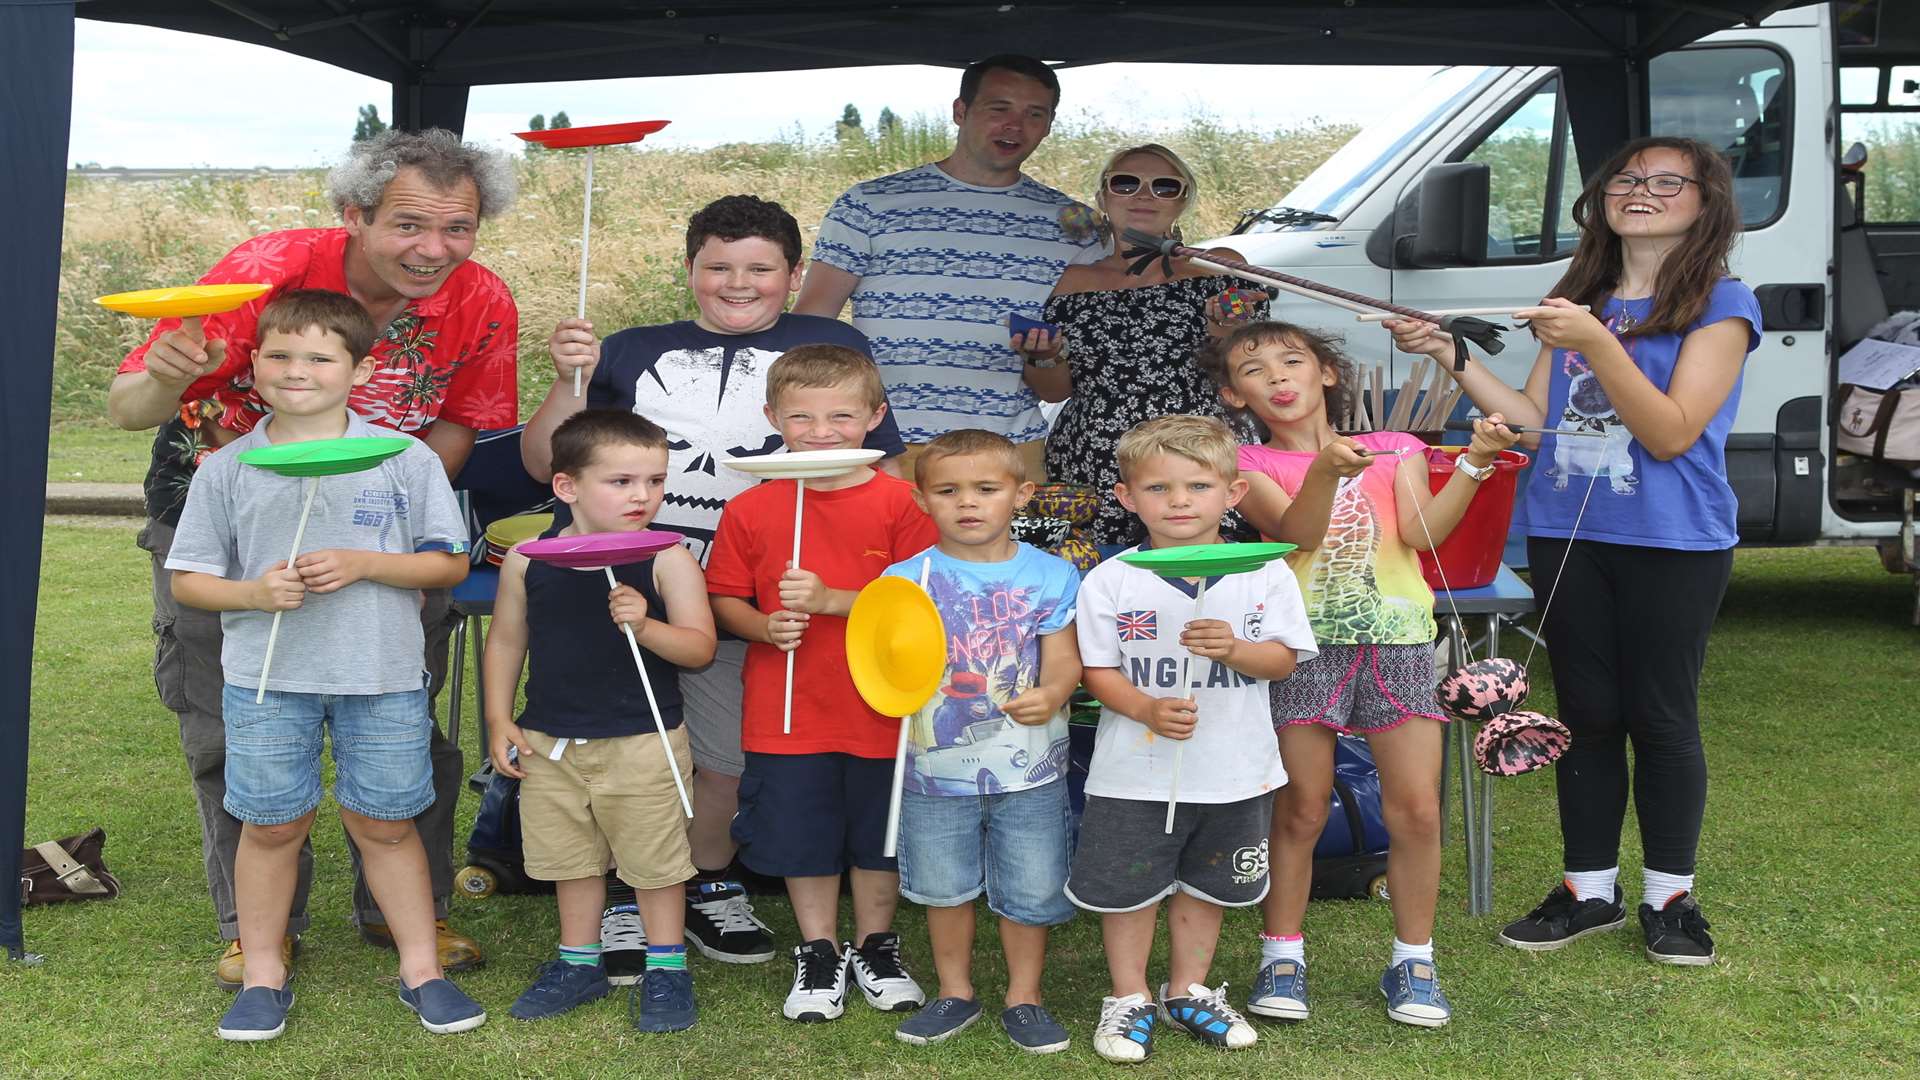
1462,328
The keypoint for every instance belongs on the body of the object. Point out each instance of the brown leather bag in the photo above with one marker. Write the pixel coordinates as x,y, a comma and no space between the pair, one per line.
71,869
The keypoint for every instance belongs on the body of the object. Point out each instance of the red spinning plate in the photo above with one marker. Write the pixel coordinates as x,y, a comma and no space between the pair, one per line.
595,135
595,550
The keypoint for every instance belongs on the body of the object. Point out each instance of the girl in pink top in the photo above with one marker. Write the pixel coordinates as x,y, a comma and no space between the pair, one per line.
1359,509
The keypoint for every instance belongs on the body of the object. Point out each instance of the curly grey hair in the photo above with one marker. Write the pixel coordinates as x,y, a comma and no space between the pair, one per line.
371,164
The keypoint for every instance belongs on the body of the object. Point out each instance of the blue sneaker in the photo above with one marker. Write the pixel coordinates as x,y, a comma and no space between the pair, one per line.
1205,1015
1034,1030
1125,1031
1413,994
1280,991
559,987
663,1002
257,1014
442,1007
939,1021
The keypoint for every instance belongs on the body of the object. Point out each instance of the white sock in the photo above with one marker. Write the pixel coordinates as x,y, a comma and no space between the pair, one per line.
1283,948
1657,888
1404,951
1593,884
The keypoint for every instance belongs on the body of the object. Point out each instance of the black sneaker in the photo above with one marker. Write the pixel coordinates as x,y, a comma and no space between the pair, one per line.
623,938
722,925
1560,920
1677,933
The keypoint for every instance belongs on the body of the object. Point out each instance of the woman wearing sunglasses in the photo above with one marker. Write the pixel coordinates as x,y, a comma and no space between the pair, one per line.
1126,343
1631,536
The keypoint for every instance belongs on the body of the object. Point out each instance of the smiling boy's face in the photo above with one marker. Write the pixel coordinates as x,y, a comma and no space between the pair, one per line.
741,286
1179,500
834,417
309,373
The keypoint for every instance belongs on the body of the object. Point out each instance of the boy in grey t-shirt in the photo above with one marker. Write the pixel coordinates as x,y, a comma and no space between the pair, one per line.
349,654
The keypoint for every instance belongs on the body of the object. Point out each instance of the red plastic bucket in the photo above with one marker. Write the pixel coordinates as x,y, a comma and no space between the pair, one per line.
1470,554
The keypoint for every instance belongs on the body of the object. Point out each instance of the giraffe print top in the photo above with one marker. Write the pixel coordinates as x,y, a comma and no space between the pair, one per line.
1363,585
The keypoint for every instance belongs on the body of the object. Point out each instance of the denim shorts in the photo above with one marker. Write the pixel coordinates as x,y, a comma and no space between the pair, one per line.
381,767
1013,846
813,815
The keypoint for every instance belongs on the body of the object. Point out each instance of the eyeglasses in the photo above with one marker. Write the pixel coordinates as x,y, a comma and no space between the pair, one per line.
1160,187
1664,185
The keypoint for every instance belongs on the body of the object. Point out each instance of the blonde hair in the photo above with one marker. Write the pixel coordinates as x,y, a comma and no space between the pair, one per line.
1113,162
967,442
1202,440
824,365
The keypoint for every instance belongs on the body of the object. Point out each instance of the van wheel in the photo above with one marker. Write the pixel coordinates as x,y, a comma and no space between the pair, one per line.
1377,888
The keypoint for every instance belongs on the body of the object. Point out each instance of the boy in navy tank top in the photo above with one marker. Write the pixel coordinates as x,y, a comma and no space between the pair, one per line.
595,788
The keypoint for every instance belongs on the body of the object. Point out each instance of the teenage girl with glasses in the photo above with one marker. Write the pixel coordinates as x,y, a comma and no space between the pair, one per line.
1631,536
1126,342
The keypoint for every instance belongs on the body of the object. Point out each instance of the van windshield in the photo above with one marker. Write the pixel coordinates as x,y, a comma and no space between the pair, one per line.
1337,185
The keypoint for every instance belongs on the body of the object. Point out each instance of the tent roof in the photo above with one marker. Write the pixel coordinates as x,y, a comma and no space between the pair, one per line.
475,42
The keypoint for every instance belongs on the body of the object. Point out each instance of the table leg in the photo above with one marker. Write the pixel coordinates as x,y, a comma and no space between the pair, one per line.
456,680
1486,796
1463,753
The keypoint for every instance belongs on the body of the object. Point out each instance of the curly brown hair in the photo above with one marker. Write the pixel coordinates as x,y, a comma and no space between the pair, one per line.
1327,350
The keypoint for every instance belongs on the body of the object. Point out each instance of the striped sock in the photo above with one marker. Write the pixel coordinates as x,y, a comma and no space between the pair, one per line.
581,955
667,957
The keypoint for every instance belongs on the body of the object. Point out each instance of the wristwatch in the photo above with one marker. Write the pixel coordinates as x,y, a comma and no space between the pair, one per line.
1474,472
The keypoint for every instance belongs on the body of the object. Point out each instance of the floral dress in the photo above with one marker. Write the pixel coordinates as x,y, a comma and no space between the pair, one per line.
1132,359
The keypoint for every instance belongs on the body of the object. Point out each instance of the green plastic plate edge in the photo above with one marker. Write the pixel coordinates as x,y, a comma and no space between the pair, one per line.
326,457
1210,560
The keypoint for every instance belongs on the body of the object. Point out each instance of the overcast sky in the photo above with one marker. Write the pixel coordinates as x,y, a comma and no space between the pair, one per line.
161,99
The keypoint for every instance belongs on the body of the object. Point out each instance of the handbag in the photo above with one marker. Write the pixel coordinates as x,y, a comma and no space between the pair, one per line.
74,868
1882,425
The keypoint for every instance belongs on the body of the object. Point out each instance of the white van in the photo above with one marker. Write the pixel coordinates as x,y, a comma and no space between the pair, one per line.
1769,95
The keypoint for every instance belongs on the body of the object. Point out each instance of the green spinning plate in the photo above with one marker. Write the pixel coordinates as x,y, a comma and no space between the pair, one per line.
326,457
1206,560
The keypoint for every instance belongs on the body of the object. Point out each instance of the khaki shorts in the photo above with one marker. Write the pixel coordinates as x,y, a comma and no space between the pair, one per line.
606,801
1033,453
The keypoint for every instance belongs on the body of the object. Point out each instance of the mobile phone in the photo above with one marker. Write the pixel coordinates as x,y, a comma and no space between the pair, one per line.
1019,324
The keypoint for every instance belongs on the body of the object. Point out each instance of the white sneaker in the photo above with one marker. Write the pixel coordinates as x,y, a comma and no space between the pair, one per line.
819,989
881,976
1125,1031
1205,1015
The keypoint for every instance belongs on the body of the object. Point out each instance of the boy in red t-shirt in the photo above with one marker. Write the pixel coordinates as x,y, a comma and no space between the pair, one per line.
814,803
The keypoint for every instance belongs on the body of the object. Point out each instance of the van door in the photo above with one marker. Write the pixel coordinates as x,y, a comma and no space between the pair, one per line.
1737,93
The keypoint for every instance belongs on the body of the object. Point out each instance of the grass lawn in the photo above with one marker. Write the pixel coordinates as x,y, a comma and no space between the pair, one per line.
97,453
1811,835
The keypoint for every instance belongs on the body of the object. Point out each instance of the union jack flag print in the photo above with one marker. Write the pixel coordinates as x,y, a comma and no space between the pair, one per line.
1138,625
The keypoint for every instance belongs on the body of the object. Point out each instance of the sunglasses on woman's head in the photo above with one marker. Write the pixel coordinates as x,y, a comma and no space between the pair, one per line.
1664,185
1160,187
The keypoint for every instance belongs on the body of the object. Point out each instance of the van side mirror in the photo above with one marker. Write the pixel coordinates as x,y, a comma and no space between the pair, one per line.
1452,228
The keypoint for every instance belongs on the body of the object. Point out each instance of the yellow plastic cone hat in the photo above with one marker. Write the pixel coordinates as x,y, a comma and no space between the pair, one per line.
896,646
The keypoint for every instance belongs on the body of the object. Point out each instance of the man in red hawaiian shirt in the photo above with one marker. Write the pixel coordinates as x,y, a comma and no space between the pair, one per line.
445,368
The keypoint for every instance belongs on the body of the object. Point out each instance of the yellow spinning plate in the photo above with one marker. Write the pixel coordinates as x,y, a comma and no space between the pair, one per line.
183,302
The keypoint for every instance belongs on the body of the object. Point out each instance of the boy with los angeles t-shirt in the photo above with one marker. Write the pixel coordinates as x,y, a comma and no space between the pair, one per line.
813,803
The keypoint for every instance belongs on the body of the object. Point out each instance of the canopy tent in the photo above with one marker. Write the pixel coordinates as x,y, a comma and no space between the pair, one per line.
433,51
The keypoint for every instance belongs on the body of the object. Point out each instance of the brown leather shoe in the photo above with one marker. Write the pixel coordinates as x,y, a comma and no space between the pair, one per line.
231,971
458,952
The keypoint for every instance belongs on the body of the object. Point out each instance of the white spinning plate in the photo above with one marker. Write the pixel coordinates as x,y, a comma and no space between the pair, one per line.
804,464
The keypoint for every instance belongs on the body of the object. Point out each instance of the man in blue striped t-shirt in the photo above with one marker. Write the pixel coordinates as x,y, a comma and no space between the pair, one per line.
935,258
